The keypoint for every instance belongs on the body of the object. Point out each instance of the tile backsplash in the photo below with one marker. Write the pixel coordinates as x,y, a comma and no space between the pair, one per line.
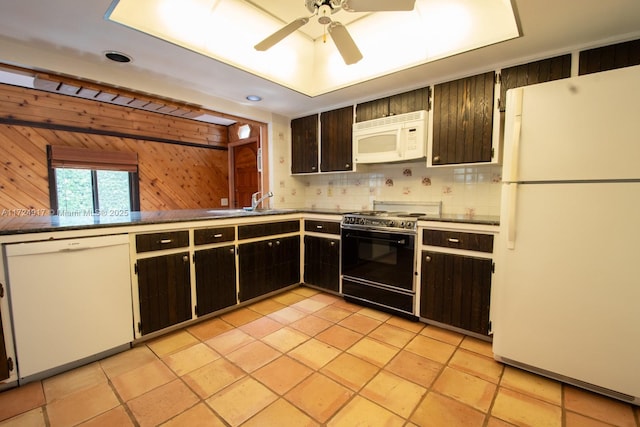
463,190
472,190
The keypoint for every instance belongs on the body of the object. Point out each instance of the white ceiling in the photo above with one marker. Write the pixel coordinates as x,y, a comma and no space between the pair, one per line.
70,37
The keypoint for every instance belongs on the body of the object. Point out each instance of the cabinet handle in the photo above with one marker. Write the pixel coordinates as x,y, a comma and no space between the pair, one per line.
452,240
319,227
436,158
427,258
333,243
185,258
277,242
165,241
314,168
217,236
270,244
232,250
347,165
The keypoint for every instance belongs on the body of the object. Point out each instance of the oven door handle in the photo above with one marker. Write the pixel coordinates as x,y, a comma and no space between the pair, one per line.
379,239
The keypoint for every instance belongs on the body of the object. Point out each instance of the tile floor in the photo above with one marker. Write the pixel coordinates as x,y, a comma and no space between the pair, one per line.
306,358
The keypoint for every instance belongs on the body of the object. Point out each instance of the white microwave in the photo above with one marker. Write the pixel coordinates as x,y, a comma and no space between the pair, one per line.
391,139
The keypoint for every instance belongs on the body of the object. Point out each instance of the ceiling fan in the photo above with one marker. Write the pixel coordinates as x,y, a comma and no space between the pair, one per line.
338,32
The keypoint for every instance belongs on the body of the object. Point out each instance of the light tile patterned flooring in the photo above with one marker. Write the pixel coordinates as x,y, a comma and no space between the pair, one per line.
306,358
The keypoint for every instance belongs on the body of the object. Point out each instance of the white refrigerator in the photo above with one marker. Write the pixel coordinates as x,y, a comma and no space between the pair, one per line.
566,293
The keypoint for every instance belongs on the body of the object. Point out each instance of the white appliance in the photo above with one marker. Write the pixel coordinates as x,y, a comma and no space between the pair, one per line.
566,295
70,300
394,138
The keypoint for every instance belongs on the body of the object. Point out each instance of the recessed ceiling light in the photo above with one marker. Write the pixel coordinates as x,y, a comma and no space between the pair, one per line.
117,56
254,98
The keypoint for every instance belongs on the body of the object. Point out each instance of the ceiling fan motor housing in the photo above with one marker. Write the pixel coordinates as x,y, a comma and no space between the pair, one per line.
316,5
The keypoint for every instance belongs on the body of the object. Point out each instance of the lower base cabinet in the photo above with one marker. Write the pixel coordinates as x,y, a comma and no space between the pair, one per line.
322,262
268,265
164,288
215,279
455,290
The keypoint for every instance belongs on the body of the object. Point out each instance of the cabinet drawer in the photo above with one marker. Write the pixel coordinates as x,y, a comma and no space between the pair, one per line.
214,235
159,241
458,240
329,227
267,229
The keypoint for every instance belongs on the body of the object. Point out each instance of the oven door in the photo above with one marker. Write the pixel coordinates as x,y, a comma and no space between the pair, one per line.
381,257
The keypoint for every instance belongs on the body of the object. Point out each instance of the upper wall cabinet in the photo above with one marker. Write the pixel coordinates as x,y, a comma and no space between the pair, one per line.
304,144
336,151
610,57
407,102
545,70
335,148
463,121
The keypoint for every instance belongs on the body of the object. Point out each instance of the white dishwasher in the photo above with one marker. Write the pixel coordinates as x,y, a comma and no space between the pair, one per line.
70,300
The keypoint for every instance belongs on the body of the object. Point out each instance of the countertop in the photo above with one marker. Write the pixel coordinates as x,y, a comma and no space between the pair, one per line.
35,221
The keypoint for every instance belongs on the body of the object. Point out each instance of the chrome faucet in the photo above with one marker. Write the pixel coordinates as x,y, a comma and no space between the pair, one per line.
255,201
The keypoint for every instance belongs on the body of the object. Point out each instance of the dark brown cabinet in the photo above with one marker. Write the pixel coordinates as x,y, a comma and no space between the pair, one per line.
215,279
268,265
164,291
463,121
333,148
456,290
406,102
610,57
336,133
322,262
304,144
541,71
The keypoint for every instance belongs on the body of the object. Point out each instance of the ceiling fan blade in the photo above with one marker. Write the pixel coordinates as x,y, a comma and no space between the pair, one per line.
378,5
345,44
281,34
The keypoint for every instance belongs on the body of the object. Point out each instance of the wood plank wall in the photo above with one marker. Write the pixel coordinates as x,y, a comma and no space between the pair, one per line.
183,164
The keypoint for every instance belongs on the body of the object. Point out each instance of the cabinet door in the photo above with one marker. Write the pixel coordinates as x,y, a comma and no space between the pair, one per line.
164,288
336,132
544,70
284,262
215,279
304,144
322,262
268,265
372,110
455,290
253,266
407,102
463,120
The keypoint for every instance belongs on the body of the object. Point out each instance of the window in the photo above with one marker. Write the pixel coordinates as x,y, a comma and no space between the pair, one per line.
86,182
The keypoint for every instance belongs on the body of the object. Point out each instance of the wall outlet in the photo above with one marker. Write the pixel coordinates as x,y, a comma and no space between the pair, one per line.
224,202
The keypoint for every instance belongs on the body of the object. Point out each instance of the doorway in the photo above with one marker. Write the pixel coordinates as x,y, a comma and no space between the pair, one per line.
244,176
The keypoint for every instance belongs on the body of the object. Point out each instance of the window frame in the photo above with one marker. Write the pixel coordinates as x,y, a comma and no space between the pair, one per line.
94,160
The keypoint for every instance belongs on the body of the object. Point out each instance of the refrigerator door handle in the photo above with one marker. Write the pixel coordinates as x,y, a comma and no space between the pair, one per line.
511,215
515,149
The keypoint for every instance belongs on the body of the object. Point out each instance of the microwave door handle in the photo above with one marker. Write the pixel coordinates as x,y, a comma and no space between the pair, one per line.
401,138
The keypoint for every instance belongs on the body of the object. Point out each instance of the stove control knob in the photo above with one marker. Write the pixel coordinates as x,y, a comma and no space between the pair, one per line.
401,224
391,223
409,224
